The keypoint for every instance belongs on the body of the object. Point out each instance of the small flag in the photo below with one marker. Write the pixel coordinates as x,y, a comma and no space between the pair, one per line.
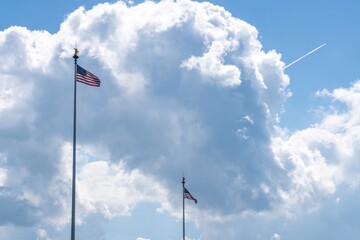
188,195
87,77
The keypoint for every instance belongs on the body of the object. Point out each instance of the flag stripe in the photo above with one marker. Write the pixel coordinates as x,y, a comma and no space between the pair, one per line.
87,77
188,195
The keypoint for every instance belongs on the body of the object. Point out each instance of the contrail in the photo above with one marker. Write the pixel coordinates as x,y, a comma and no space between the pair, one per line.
304,56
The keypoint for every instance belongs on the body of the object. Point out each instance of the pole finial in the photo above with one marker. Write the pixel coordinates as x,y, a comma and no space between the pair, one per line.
76,54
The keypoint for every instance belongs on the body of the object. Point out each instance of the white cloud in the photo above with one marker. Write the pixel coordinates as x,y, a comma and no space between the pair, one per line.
276,237
42,235
108,188
186,87
176,79
332,143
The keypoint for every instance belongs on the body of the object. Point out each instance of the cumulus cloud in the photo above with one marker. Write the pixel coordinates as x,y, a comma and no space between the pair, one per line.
170,98
326,150
321,162
122,191
179,81
186,88
42,235
276,237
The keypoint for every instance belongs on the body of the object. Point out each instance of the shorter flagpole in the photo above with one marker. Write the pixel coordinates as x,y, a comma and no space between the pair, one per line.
183,184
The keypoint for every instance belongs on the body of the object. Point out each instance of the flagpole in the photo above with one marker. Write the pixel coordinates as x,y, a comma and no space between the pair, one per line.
74,153
183,183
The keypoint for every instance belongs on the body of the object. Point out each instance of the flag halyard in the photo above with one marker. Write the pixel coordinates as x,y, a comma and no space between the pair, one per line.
86,77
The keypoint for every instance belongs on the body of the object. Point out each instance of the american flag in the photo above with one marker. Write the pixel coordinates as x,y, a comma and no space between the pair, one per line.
188,195
87,77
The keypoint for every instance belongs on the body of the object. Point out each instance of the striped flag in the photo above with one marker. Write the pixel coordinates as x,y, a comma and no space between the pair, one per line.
188,195
87,77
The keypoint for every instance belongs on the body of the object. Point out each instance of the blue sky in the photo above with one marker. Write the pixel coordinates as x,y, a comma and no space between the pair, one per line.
191,88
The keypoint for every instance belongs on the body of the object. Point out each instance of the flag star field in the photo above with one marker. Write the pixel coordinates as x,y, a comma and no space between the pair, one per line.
208,90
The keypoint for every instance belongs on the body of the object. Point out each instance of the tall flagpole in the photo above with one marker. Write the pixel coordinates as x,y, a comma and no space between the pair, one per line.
183,183
74,154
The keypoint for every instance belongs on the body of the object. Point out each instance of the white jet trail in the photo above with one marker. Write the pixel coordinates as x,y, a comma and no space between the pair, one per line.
304,56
